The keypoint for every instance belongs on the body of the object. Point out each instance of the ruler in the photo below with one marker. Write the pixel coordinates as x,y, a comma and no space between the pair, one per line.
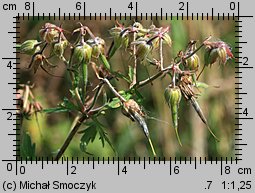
149,174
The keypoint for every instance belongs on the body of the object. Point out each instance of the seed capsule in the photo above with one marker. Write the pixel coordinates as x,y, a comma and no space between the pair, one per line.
192,63
60,47
167,39
173,98
120,38
137,25
29,47
81,53
222,53
139,29
97,45
186,88
217,51
210,56
132,110
142,49
200,113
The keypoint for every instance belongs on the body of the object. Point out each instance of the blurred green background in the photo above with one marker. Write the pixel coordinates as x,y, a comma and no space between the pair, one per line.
125,135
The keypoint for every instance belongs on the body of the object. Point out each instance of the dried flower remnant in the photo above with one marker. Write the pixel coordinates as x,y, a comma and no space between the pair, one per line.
39,60
28,104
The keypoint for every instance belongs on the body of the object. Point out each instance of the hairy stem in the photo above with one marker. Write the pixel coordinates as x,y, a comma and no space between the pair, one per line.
77,123
152,78
196,50
161,53
98,90
122,99
84,80
135,63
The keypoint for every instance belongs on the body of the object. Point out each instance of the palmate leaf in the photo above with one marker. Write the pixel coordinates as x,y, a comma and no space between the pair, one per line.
139,96
103,134
65,106
69,105
201,85
55,110
89,134
115,102
27,148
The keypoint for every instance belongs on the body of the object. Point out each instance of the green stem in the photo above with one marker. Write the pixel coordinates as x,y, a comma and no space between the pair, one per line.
104,61
161,53
84,79
122,99
135,63
196,50
77,123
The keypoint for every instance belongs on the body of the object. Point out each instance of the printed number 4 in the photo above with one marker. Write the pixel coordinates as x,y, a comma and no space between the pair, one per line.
124,170
130,5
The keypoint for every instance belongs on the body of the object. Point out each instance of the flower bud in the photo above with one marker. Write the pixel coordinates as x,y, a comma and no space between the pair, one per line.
60,47
29,47
173,98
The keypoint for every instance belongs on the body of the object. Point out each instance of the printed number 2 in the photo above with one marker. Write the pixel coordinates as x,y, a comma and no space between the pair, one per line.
181,6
